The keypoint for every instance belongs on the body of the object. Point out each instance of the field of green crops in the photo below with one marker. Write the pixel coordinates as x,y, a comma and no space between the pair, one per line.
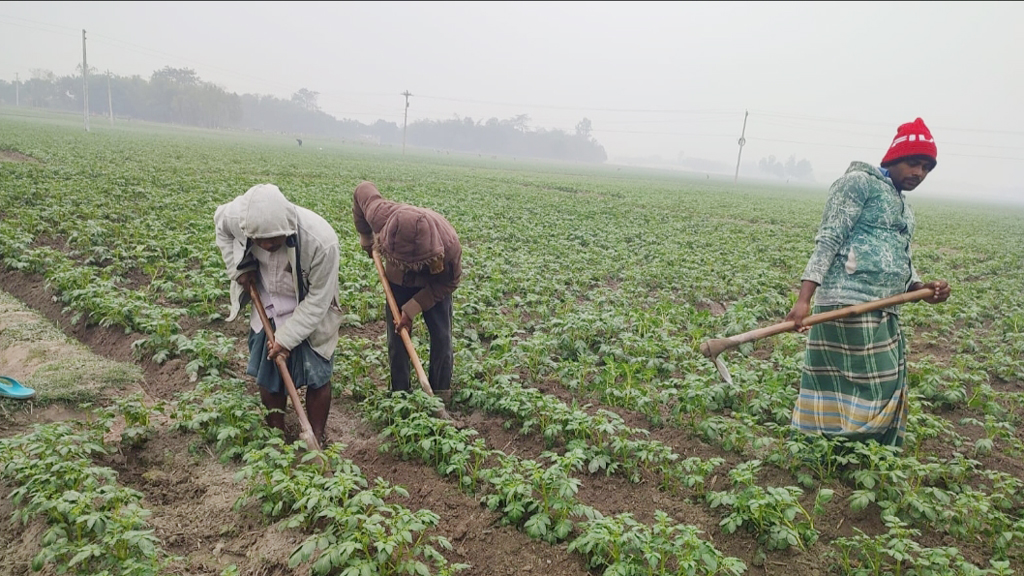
597,431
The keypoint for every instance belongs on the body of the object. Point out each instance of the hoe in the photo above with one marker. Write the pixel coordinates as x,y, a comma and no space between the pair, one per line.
397,313
712,348
306,433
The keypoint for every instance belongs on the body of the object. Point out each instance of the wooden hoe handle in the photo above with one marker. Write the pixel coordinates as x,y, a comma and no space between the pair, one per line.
307,430
712,348
396,314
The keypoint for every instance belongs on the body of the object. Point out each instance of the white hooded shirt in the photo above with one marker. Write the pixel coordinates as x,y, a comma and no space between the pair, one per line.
312,251
276,286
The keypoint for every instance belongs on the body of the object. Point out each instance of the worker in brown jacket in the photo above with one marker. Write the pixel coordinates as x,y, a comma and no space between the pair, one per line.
423,264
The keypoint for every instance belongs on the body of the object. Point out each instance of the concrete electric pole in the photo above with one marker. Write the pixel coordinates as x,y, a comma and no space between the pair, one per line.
85,82
405,121
110,99
741,142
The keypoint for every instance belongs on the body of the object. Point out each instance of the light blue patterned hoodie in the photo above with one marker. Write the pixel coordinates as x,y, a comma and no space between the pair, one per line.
862,249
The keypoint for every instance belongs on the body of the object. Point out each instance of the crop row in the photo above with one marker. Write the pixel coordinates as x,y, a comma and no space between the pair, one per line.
606,293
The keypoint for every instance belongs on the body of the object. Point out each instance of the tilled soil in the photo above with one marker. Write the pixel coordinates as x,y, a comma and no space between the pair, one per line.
192,495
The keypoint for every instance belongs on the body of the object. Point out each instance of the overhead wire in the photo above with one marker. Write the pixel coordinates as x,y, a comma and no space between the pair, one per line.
865,123
137,48
577,108
766,117
834,145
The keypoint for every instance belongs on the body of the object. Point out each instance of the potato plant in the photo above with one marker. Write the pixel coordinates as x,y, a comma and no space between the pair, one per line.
94,524
598,283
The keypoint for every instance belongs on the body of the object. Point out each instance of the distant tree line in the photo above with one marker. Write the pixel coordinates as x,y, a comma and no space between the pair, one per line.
179,96
801,170
511,137
172,95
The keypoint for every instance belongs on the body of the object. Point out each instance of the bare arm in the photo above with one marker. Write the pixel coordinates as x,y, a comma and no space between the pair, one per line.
802,308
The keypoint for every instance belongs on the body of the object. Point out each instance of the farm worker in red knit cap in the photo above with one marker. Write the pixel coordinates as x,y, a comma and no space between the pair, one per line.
291,255
854,381
423,264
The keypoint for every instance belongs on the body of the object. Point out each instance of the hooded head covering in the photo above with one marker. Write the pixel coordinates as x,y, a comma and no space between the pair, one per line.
266,213
370,207
912,139
410,240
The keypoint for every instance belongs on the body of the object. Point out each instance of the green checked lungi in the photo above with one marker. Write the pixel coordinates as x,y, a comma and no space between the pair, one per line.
854,381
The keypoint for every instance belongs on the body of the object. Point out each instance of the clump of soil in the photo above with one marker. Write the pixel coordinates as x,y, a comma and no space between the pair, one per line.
714,308
12,156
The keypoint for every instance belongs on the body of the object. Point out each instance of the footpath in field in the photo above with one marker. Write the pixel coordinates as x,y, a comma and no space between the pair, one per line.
62,371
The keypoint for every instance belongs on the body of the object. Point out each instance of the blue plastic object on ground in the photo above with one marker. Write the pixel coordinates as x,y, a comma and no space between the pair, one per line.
11,388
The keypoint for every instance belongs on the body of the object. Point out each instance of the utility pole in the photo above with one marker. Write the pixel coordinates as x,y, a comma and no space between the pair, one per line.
16,91
405,121
110,99
85,82
741,142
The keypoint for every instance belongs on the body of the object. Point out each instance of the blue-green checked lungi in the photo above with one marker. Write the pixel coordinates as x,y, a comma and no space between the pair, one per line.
306,367
854,381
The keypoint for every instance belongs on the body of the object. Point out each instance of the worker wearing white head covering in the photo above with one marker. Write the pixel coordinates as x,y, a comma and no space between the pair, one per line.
291,254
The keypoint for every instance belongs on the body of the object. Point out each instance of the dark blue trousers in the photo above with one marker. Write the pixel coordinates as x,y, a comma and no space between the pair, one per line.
442,353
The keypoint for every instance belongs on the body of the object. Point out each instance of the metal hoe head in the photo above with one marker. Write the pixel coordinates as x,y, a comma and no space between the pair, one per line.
711,349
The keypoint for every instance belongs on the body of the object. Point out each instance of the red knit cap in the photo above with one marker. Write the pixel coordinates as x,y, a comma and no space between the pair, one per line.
912,139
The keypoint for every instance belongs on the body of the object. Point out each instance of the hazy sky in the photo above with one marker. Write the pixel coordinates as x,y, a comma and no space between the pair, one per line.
828,82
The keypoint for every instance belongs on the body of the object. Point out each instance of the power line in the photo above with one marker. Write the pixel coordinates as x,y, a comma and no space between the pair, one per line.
144,49
759,115
114,42
123,44
723,116
838,121
876,135
653,133
69,28
831,144
35,25
982,156
578,108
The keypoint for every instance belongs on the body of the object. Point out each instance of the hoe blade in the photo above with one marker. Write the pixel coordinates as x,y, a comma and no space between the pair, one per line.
722,369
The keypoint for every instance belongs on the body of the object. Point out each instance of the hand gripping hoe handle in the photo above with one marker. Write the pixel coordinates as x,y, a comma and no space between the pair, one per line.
712,348
396,314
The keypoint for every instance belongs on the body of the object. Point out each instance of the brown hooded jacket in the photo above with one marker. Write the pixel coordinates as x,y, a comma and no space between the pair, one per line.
419,246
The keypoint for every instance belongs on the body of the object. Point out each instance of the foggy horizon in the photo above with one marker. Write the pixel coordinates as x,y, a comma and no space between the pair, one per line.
828,83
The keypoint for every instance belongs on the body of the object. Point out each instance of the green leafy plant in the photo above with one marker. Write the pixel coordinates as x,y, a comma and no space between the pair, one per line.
621,545
774,514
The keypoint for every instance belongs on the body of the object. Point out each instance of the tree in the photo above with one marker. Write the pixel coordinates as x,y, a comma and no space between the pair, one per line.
307,99
78,68
178,76
584,128
179,95
801,170
45,75
519,123
772,166
507,137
